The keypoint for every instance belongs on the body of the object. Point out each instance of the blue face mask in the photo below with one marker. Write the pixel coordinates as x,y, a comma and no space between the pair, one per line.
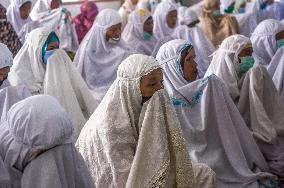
47,55
146,35
279,43
216,13
242,10
246,63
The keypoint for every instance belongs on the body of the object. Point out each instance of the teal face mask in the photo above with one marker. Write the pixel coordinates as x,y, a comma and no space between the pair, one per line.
229,10
246,63
279,43
146,35
216,13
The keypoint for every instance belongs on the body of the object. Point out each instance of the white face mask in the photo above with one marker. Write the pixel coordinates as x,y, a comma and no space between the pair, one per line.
113,40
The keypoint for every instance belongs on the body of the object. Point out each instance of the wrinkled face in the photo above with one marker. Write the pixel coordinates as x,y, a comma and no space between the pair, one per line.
148,25
216,6
151,83
4,73
171,18
55,4
113,31
189,65
247,51
25,10
279,35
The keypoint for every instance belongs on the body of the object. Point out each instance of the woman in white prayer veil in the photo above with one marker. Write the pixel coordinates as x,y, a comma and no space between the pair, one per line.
101,52
45,69
276,69
131,142
253,91
165,20
189,31
6,61
266,40
209,119
18,14
48,13
37,148
138,33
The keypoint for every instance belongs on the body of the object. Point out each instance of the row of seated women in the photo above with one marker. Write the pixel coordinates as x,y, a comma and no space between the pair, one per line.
118,117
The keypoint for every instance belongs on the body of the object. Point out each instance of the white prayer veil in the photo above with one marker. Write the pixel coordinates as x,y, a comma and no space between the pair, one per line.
225,62
108,140
133,33
209,118
13,14
264,41
32,126
28,68
97,59
9,96
161,28
187,16
6,60
40,9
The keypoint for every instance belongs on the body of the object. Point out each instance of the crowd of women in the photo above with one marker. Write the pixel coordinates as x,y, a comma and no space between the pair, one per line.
155,94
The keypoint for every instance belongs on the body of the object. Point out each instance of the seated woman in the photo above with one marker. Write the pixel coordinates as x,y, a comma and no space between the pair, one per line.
101,52
37,148
216,26
6,61
138,33
189,31
209,118
266,39
45,69
165,20
18,14
120,141
48,13
253,91
8,36
84,21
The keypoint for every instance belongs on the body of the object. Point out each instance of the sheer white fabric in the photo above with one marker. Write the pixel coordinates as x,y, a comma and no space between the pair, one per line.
209,118
264,41
186,16
161,28
97,59
13,15
116,142
225,4
125,10
133,33
58,78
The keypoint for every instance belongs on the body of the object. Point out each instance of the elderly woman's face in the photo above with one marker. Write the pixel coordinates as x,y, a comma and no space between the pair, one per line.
113,31
55,4
4,73
171,18
189,65
151,83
